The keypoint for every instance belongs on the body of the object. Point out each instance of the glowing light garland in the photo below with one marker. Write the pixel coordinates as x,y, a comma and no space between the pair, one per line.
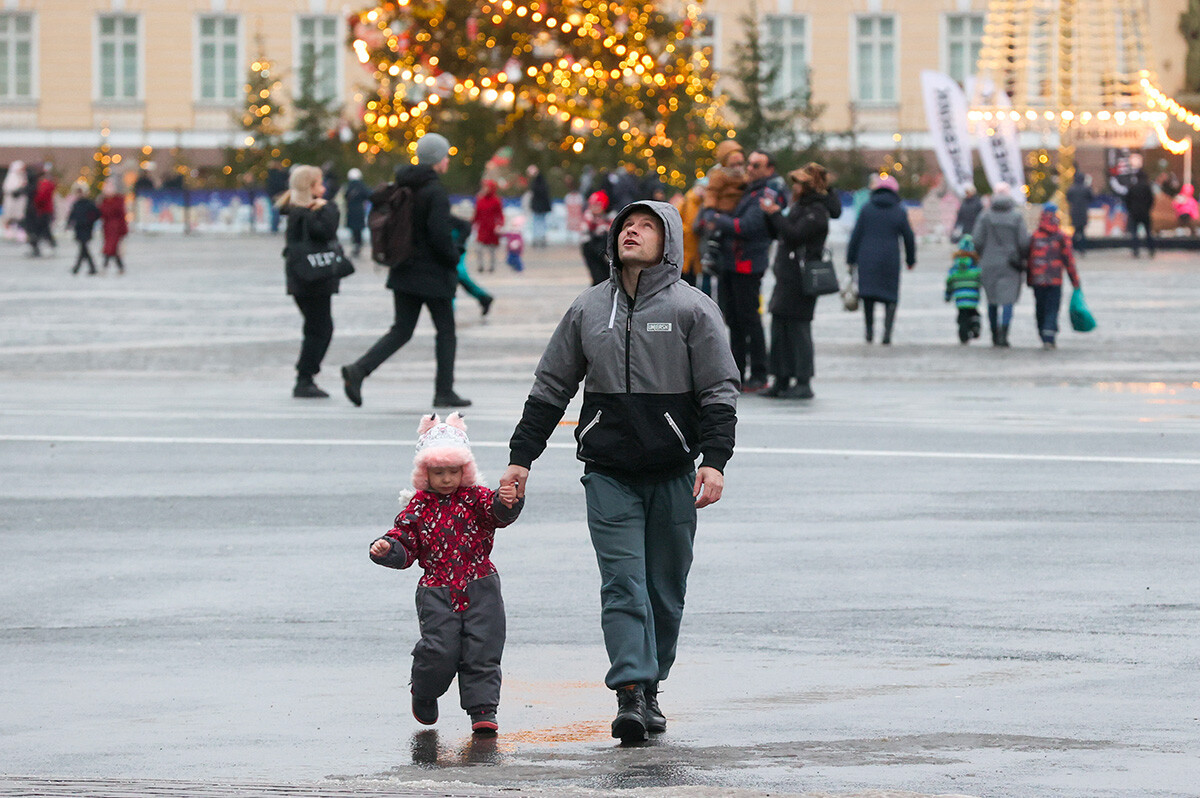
620,74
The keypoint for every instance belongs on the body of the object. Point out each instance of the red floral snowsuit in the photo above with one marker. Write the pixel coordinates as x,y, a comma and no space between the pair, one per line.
458,599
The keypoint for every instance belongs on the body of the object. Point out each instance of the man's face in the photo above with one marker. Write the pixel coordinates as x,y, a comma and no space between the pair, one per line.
640,242
758,167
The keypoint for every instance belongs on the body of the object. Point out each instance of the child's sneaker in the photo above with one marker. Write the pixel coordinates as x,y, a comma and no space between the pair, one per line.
483,720
425,710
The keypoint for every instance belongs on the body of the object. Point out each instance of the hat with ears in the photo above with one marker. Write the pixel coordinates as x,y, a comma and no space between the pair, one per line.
443,443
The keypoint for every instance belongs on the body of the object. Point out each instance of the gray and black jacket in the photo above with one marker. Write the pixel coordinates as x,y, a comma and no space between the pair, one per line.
660,384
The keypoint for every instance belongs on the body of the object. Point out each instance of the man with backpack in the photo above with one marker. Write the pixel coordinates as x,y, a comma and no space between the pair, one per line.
422,262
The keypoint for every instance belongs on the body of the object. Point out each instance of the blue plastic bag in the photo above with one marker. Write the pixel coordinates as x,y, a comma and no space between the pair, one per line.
1082,319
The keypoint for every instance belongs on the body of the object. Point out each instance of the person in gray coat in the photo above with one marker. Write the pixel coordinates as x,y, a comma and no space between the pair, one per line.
660,390
1002,241
874,251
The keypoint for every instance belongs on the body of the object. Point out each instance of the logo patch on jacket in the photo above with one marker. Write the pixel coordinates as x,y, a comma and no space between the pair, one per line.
658,326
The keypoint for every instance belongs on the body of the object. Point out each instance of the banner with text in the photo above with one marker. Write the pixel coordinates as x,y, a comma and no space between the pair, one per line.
999,147
946,114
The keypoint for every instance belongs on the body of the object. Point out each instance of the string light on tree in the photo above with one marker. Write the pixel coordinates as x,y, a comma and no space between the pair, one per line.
593,79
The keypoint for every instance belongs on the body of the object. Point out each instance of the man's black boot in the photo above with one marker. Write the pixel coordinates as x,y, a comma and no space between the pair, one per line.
630,723
352,380
656,721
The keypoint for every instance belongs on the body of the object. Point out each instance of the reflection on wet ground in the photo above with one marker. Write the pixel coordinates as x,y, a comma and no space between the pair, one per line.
479,749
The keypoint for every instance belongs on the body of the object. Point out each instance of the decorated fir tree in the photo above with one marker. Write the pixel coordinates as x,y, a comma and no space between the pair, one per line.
259,121
591,81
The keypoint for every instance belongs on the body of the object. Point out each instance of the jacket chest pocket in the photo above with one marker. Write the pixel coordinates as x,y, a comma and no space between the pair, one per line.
678,432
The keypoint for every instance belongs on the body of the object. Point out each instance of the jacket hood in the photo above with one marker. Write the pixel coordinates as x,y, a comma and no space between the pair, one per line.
885,198
414,175
1048,223
670,269
1003,202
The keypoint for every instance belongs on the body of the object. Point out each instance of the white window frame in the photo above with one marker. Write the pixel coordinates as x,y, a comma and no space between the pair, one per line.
12,39
239,67
139,78
772,26
972,42
711,38
335,40
877,41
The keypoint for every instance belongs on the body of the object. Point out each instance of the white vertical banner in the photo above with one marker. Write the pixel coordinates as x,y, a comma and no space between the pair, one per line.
999,146
946,114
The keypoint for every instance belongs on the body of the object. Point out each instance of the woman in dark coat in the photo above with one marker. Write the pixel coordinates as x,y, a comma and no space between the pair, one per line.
310,218
875,252
801,234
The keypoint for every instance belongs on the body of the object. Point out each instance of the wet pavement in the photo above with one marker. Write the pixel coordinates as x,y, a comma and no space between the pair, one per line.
958,571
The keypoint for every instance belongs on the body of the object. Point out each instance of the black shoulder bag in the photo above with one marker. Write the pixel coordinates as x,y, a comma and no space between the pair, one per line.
312,262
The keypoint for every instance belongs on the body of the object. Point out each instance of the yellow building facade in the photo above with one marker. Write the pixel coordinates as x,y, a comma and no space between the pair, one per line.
153,75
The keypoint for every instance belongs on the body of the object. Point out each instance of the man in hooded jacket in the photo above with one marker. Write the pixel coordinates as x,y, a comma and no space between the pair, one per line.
428,277
660,389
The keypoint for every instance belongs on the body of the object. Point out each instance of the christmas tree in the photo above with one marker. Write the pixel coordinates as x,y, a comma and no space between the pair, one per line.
594,81
259,121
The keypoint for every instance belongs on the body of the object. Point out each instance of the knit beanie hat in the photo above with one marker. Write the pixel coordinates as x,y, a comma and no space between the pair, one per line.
431,149
443,443
600,197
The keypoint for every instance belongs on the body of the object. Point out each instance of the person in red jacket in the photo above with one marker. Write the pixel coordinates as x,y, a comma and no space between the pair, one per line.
447,527
1049,254
489,218
40,214
112,216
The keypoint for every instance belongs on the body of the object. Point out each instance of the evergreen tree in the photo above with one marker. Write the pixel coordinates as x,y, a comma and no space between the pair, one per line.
782,124
313,138
587,81
259,121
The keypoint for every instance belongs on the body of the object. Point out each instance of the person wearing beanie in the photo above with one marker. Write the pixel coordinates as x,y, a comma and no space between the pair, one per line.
1050,253
427,278
962,288
660,390
356,194
874,252
597,219
448,526
1002,241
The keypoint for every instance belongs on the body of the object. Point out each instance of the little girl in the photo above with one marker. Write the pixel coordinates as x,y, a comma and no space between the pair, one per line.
448,527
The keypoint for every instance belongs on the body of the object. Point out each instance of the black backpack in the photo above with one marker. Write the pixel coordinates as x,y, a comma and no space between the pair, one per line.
390,223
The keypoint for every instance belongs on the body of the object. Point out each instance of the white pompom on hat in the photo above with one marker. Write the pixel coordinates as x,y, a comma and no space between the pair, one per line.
443,443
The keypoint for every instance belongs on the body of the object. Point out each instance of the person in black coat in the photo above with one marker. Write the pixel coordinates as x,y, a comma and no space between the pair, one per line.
82,220
540,203
874,250
1079,200
277,183
313,220
802,233
968,211
428,277
356,194
1138,202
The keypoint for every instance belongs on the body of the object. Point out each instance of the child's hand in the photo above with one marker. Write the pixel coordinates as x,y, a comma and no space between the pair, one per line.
381,547
508,494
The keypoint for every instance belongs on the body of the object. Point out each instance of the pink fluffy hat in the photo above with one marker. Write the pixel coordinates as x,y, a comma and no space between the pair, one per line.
443,443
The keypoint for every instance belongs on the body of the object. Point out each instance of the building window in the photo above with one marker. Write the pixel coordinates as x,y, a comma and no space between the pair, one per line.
16,56
964,40
220,66
119,57
787,44
706,38
320,46
875,62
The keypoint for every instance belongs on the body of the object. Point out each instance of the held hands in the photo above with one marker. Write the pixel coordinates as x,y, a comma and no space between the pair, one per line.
514,477
709,484
381,547
508,494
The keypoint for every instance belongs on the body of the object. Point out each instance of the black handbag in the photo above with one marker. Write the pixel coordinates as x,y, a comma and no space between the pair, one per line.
312,262
819,277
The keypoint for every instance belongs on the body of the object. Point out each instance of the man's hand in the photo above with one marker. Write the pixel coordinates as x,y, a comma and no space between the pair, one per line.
508,494
516,476
768,204
381,547
709,484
